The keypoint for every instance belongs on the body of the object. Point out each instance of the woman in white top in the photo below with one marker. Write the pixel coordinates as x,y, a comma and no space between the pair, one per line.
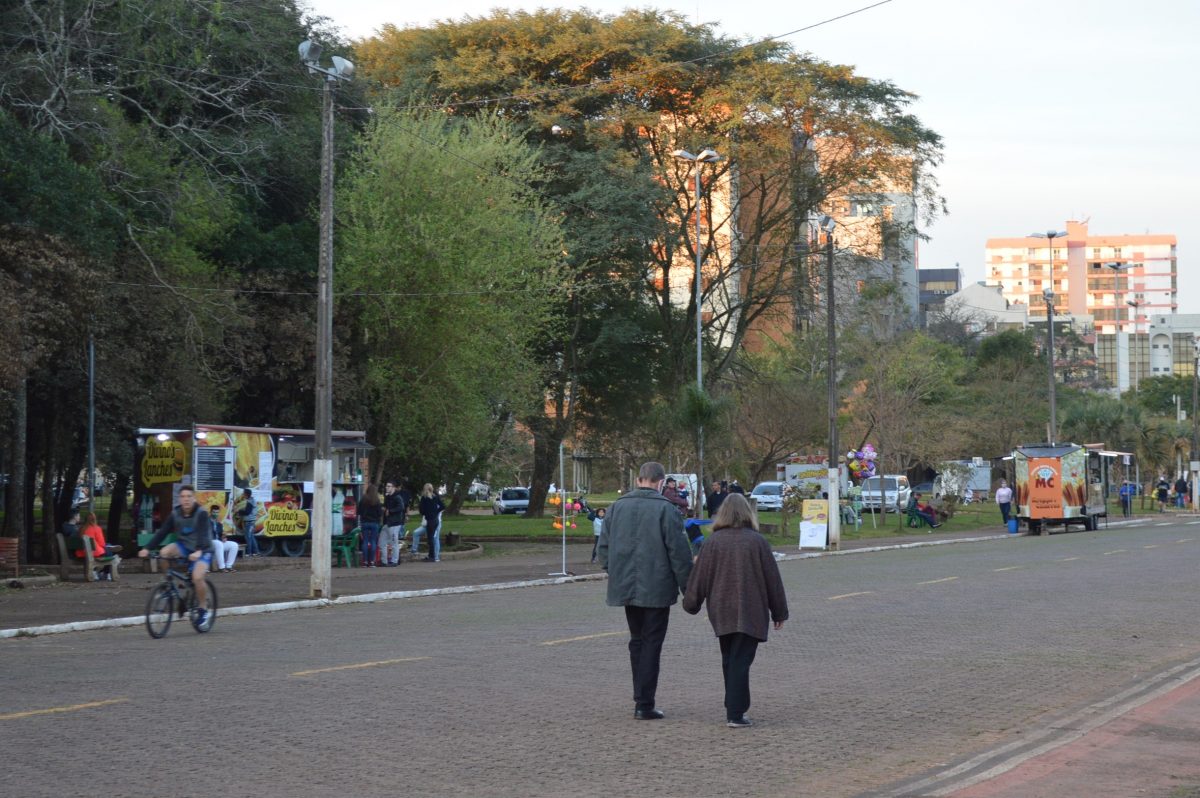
1004,499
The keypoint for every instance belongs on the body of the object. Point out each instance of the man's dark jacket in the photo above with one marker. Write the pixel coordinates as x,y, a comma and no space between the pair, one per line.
645,551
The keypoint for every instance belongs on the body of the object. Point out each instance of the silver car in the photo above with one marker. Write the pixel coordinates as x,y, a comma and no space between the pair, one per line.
768,495
511,500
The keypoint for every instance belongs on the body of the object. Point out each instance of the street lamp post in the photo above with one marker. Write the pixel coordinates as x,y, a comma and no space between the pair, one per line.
828,225
1048,293
321,581
1194,456
707,155
1049,297
1135,366
1121,335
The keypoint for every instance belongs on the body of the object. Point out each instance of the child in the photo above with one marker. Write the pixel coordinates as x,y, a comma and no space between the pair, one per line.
597,528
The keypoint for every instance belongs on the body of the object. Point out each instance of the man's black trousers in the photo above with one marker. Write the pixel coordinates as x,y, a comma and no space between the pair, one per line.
647,629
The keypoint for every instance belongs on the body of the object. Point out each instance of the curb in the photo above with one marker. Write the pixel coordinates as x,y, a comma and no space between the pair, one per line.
368,598
257,609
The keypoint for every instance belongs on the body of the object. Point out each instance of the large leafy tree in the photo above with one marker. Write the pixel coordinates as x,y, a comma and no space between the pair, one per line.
188,117
449,266
645,83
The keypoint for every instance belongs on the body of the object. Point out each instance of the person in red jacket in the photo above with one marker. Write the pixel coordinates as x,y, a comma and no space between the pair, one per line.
100,549
737,575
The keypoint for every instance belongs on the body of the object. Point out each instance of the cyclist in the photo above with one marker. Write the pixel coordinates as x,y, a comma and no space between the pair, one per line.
193,540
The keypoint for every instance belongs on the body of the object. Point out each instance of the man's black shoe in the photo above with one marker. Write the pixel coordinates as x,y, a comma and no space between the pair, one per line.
649,714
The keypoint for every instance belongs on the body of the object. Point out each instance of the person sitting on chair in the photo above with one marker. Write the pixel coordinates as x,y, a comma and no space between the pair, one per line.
923,510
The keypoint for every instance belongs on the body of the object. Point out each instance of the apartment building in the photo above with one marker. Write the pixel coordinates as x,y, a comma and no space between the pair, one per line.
1120,281
1076,268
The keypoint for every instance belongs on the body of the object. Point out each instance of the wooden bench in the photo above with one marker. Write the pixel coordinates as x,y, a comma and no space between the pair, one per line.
91,565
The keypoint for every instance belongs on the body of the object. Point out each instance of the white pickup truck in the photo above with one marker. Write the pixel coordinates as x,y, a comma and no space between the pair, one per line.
896,493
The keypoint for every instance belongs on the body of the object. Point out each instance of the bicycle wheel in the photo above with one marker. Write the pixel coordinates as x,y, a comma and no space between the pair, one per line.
210,605
160,610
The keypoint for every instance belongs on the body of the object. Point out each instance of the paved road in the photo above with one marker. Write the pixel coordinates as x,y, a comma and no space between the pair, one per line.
896,664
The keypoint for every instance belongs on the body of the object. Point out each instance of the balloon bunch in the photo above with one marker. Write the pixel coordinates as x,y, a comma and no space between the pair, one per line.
573,506
861,463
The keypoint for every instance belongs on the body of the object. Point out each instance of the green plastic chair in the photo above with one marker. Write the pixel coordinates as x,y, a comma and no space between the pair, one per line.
346,549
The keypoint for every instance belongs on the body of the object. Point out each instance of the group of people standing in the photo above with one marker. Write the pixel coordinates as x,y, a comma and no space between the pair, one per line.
382,523
643,547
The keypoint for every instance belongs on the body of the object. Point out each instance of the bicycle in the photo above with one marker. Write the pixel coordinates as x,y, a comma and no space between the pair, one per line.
176,593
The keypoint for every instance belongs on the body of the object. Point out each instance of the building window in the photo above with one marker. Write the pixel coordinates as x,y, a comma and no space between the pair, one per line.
1116,252
864,208
1096,253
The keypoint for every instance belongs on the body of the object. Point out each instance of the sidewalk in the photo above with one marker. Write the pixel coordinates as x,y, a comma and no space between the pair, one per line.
1151,750
268,580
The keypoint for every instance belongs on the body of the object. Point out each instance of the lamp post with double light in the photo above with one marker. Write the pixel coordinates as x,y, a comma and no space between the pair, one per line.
1122,337
707,155
1135,366
321,581
1195,453
1048,295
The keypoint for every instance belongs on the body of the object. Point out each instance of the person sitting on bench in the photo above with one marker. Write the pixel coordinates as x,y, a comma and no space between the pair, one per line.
105,553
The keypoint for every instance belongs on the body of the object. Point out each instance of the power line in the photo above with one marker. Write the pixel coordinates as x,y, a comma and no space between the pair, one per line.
550,92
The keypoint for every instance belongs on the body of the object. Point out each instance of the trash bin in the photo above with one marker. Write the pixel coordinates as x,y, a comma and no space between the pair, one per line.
1012,526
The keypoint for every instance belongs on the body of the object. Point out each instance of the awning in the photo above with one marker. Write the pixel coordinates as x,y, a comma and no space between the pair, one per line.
338,443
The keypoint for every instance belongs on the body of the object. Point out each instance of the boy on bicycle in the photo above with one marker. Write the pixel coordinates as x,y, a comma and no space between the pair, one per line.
193,540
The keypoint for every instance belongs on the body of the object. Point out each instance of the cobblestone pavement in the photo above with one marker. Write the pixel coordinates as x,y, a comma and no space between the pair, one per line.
894,664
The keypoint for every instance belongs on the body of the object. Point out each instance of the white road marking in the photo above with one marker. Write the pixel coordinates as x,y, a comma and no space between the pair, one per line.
937,581
849,595
55,710
358,665
581,637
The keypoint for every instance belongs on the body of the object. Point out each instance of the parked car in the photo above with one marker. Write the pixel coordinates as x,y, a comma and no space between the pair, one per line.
511,500
769,495
896,493
479,491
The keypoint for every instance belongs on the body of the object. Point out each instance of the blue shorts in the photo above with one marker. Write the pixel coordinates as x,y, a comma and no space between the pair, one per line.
186,552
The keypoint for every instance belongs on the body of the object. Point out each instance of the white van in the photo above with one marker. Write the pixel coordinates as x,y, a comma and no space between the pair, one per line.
688,482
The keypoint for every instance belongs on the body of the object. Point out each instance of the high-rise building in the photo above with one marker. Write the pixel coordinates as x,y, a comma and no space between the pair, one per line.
1120,281
1076,268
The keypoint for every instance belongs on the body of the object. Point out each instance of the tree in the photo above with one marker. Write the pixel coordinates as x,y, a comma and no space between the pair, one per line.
643,84
448,265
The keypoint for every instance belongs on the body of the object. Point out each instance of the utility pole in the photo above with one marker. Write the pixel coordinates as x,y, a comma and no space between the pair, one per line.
321,580
834,473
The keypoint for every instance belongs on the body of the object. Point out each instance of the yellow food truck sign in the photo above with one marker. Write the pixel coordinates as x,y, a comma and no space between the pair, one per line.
163,461
284,521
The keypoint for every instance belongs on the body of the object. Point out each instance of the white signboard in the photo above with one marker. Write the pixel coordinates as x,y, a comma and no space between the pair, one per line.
814,524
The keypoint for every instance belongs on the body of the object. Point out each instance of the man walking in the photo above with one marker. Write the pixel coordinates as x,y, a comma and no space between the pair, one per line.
648,558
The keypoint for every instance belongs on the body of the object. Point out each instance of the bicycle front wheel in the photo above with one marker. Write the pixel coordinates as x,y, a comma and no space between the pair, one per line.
159,610
210,607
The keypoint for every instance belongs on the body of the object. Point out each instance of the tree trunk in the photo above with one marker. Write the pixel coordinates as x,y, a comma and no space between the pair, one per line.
16,524
546,439
116,509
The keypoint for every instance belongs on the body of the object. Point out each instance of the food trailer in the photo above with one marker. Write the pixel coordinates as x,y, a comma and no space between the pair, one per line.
1059,485
219,462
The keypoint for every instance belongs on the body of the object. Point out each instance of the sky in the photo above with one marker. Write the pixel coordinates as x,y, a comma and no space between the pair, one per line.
1051,110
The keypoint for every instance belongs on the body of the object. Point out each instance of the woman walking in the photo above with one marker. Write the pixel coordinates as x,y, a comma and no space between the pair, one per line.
431,510
370,515
737,574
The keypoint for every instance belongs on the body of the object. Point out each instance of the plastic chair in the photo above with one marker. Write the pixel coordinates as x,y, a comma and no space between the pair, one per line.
346,549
